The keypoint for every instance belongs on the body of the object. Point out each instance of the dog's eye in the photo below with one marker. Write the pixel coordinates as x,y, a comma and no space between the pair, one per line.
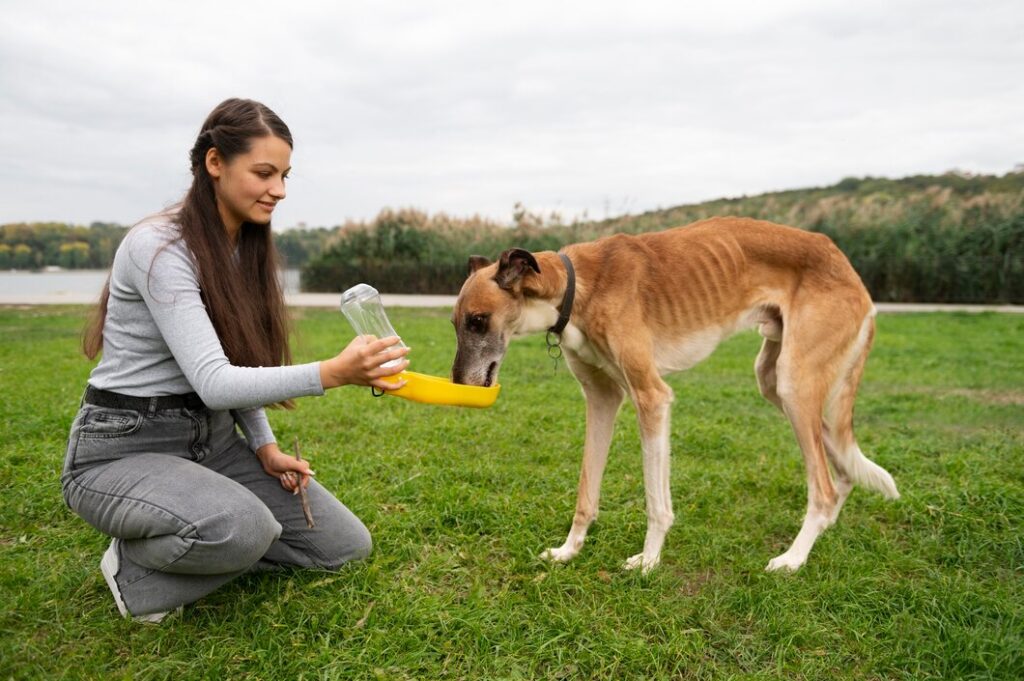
477,323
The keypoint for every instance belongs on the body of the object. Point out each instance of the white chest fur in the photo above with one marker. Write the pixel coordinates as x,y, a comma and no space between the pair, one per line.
537,315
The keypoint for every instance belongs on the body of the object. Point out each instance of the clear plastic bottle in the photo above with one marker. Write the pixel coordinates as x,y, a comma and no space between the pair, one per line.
363,308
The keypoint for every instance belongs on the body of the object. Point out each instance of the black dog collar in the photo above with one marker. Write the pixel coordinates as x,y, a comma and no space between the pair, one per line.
570,295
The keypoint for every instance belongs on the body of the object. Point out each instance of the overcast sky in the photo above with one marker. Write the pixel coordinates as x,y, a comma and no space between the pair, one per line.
587,108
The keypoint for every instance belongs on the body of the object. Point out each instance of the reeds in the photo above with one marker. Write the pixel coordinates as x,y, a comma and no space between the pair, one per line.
911,241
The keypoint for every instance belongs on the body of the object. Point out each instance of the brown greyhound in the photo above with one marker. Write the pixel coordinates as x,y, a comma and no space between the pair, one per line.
646,305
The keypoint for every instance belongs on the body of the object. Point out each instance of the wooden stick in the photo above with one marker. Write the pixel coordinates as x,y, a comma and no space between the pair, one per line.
302,491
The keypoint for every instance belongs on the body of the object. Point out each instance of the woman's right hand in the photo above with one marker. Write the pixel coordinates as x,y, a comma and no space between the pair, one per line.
360,364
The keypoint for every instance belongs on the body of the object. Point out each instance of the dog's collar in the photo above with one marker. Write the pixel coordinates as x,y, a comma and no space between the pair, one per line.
567,299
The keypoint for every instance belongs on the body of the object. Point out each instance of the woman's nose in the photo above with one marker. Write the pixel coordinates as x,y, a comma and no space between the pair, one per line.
277,190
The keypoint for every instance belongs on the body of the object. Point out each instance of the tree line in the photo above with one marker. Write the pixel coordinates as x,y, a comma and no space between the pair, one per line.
955,237
30,246
36,245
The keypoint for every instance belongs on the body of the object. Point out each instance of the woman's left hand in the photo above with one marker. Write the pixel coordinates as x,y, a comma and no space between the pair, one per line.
284,467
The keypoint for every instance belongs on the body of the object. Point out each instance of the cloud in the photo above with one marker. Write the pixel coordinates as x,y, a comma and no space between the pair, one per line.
596,107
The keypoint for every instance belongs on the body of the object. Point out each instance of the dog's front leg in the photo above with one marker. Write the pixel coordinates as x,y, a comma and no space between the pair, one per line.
653,415
604,397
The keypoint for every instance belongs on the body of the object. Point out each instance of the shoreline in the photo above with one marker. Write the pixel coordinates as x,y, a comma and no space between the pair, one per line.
332,300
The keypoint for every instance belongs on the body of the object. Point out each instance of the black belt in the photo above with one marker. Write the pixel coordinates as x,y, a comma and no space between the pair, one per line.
105,398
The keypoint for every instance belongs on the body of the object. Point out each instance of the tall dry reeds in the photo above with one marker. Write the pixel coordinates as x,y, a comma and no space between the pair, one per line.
410,251
920,239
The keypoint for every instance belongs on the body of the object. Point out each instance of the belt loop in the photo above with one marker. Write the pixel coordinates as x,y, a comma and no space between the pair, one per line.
152,407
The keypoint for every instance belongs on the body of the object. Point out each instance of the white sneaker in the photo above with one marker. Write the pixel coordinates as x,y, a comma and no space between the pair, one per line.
109,566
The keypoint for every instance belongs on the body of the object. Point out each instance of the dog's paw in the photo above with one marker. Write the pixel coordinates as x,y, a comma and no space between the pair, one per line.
559,555
645,564
784,562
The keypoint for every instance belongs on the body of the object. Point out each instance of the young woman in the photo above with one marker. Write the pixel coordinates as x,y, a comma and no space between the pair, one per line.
194,342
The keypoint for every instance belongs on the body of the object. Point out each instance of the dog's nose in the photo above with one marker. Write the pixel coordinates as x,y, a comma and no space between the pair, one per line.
458,373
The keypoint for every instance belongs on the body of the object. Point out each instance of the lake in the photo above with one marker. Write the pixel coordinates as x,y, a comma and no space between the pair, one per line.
88,283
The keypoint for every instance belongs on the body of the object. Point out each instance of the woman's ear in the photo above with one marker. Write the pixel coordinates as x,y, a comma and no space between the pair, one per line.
214,163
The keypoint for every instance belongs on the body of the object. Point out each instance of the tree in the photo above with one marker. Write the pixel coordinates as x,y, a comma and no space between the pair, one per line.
74,255
24,257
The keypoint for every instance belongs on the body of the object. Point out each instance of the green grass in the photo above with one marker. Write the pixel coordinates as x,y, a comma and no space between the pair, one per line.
461,502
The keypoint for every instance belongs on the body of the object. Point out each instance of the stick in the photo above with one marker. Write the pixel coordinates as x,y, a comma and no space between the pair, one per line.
302,491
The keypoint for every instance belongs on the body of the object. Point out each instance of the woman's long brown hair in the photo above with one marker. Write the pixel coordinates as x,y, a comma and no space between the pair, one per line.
243,297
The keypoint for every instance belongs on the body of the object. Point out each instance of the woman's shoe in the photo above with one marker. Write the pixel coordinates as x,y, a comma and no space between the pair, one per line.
109,566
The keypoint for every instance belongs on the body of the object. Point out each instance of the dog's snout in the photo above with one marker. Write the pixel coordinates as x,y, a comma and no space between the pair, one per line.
481,318
458,374
473,370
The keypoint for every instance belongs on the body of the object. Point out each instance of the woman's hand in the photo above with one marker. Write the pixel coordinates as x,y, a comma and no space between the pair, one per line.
284,467
360,364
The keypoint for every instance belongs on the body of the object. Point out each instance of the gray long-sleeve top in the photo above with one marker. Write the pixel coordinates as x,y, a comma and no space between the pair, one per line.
158,338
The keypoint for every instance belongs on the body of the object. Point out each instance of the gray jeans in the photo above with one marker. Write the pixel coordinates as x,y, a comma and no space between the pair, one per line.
191,505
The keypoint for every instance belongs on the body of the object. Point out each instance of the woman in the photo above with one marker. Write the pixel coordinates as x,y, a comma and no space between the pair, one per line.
194,341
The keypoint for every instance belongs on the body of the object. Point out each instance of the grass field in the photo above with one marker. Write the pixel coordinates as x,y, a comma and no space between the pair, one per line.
461,502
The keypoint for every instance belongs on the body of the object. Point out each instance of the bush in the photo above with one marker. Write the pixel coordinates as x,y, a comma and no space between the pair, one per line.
408,251
909,245
936,248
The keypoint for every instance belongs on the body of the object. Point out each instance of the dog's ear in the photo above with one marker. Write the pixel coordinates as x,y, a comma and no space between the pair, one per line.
476,262
514,263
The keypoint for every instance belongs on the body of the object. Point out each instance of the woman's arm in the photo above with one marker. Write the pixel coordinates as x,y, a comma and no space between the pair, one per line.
255,426
261,440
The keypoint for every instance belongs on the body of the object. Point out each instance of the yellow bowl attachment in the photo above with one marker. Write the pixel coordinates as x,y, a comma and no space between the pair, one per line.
437,390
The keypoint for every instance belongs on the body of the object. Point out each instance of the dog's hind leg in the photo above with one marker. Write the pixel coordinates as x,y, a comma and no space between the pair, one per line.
808,363
805,417
653,398
604,397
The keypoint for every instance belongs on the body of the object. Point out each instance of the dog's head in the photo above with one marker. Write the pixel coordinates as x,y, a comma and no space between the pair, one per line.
487,314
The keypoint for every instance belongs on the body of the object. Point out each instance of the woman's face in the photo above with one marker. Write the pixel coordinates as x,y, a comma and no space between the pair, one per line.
250,184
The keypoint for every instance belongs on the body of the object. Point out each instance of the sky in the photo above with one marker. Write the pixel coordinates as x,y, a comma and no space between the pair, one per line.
588,109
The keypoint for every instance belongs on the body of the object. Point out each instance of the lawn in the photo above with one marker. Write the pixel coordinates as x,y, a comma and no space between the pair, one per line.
461,502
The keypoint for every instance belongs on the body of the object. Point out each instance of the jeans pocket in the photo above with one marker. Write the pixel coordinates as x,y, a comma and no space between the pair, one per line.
105,422
99,435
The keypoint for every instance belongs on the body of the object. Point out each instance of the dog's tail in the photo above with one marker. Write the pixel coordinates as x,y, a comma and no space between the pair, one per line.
846,457
864,471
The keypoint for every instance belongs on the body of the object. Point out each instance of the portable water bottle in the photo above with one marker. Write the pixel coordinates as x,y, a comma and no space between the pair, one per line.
362,306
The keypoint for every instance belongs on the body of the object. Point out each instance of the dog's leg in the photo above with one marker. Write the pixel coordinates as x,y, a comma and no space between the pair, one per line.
830,432
604,397
822,498
652,407
814,349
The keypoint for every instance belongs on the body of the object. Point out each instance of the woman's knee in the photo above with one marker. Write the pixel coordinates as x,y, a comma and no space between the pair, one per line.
236,538
363,544
351,541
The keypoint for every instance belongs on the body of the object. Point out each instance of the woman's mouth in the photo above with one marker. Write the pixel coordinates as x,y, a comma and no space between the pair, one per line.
266,205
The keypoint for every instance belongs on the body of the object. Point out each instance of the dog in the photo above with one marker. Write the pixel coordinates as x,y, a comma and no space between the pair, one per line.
628,309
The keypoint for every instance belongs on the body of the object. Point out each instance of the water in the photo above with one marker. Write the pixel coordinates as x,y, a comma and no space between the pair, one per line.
81,283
